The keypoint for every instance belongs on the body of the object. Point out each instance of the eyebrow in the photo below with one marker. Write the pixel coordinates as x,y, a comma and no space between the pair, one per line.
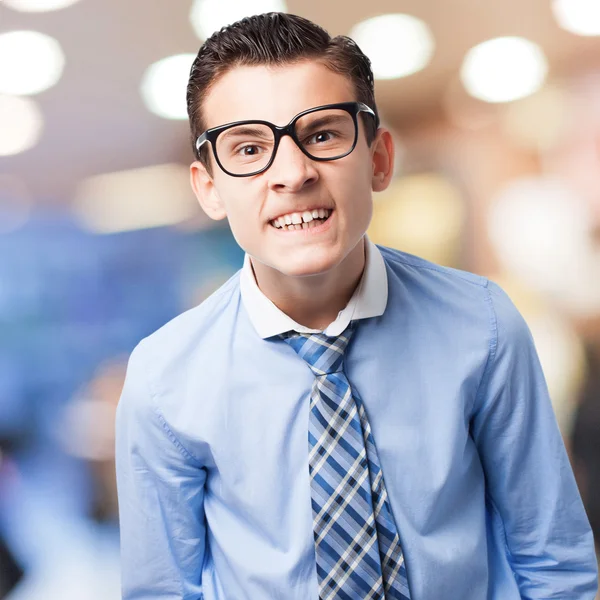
326,120
240,130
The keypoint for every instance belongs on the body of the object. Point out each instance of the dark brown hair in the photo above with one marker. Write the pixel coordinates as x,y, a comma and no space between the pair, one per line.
275,39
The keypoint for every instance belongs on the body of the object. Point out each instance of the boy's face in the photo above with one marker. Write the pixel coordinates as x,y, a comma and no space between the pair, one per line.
294,183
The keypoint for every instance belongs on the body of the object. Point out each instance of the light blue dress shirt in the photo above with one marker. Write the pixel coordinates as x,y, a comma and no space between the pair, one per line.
212,449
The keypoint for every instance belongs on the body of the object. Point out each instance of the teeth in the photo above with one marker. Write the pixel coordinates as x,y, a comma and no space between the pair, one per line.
295,221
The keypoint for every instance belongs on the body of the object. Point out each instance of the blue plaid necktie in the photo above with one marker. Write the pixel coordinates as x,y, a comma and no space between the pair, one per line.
357,546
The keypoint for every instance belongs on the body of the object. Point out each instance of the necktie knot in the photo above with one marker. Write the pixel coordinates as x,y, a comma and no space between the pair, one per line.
324,354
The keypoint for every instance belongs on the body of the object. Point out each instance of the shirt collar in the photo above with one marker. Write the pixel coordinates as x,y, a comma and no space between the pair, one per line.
369,300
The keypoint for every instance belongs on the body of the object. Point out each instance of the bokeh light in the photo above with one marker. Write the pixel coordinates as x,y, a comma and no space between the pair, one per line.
39,5
398,45
208,16
21,124
581,17
30,62
504,69
163,86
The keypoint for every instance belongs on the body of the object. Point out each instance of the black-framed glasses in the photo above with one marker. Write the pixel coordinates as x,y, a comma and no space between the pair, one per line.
323,133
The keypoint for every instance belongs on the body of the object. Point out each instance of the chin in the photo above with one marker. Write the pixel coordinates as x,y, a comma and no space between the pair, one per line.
305,267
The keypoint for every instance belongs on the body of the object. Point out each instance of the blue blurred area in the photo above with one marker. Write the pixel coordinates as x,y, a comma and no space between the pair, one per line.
69,301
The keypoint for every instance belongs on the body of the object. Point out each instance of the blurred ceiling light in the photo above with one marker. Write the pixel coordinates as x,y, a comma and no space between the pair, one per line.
38,5
504,69
397,45
164,86
581,17
21,124
136,199
539,121
541,231
208,16
422,214
30,62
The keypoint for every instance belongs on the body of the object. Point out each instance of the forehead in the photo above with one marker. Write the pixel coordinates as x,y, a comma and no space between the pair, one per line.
273,93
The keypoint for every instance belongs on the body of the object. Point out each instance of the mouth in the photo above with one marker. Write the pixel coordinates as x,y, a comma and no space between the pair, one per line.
296,221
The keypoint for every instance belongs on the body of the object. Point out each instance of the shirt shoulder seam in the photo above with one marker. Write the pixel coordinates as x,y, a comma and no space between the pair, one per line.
492,348
172,437
481,283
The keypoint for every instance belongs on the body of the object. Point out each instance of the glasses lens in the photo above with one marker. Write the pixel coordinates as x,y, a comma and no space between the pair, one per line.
245,148
328,133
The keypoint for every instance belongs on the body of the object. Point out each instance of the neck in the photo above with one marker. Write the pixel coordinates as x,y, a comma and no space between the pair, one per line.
316,300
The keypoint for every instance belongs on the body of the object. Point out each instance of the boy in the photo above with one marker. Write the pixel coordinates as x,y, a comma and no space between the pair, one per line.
338,421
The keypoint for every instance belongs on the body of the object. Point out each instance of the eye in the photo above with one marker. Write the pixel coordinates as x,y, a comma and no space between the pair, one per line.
320,138
249,150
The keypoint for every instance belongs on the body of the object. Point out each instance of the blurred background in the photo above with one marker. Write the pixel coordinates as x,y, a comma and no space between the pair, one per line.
495,107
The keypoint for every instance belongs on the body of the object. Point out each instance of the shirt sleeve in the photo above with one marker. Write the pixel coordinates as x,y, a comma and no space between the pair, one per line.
529,480
161,493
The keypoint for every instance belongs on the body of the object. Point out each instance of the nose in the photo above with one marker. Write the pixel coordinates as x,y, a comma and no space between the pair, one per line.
292,170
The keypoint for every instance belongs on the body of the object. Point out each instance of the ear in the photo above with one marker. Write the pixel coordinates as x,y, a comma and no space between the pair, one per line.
206,192
382,150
